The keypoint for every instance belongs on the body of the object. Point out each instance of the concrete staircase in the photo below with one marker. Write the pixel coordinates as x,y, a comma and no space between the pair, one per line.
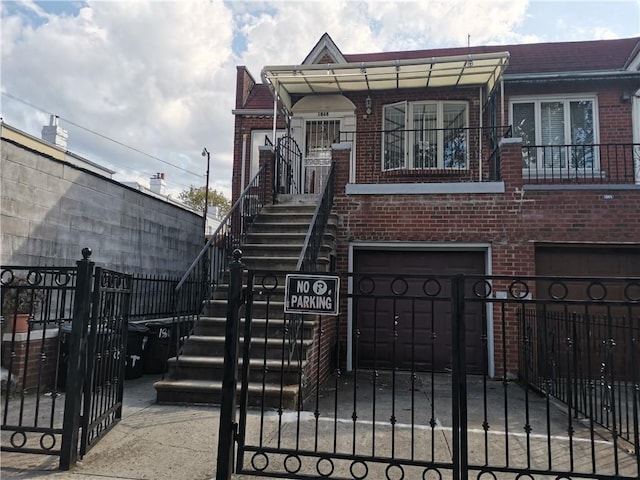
274,243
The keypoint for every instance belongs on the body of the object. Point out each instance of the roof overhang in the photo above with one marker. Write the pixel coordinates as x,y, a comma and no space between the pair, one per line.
484,69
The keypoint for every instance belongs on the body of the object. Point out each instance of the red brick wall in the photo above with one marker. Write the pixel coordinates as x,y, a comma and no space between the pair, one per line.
322,355
245,124
511,222
32,364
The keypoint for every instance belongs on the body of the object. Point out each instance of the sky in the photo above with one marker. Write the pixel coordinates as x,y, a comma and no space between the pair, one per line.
143,86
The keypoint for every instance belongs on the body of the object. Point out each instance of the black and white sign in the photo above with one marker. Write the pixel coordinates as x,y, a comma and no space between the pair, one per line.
311,294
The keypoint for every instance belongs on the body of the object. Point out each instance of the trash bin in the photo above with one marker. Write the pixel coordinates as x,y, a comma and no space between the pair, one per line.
161,345
137,340
163,337
101,369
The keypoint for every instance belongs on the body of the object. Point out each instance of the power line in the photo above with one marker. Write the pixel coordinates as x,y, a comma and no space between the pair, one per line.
100,135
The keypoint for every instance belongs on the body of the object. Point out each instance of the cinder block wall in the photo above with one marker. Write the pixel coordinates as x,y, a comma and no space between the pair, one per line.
51,210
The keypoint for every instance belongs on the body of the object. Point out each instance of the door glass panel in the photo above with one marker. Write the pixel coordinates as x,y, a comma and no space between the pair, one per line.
524,126
552,134
582,135
394,136
454,118
425,136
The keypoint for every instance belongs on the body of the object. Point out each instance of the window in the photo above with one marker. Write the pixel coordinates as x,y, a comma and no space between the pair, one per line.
426,135
563,131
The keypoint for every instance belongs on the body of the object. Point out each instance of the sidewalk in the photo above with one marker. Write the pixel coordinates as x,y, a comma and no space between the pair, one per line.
151,442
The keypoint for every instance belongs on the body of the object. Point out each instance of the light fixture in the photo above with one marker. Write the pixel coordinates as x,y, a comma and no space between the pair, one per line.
367,105
625,96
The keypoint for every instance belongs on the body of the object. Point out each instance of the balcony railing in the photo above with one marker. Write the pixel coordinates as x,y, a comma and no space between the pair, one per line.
613,163
467,154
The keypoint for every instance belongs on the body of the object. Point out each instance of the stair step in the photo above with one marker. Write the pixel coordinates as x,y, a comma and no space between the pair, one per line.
210,392
218,308
213,346
270,371
272,244
215,326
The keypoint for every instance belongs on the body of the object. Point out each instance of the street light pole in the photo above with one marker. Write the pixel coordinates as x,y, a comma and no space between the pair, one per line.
205,152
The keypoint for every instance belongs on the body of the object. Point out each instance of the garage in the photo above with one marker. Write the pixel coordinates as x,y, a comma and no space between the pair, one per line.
591,325
574,260
398,324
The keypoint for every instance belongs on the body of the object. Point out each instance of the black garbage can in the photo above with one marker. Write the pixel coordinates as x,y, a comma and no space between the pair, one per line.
165,335
137,340
101,367
161,345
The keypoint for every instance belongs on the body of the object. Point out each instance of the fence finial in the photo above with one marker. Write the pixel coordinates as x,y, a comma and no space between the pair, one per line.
86,253
237,255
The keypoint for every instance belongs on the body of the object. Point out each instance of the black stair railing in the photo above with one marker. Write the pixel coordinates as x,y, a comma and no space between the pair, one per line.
307,262
210,267
288,171
315,233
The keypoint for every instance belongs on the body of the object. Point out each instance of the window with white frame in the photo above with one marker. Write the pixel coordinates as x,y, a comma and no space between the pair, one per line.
425,135
561,132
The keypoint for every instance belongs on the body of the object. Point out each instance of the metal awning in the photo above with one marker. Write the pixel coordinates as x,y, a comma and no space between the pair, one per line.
484,69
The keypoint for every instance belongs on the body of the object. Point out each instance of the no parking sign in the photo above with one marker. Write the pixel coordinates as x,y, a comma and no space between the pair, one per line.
311,294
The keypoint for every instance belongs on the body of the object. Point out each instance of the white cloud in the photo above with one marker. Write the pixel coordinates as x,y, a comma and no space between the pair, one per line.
151,75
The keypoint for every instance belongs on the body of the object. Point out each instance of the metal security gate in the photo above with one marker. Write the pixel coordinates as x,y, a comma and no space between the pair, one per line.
304,416
70,360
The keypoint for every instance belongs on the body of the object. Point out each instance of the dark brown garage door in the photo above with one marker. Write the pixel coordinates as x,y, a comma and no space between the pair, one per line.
421,339
587,261
591,325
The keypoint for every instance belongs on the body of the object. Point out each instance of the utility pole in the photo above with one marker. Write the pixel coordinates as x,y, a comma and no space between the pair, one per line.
205,153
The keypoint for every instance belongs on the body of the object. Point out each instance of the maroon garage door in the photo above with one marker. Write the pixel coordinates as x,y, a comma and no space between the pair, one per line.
421,338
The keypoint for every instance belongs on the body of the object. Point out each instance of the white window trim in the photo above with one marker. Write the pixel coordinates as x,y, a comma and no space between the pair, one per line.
537,100
408,140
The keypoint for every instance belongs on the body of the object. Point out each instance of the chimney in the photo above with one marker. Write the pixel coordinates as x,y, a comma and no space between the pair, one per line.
54,133
157,183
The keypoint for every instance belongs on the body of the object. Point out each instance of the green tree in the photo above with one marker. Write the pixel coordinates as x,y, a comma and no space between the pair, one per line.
194,198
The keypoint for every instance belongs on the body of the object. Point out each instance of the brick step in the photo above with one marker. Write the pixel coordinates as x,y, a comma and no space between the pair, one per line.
272,348
275,327
284,237
210,392
260,309
259,227
269,371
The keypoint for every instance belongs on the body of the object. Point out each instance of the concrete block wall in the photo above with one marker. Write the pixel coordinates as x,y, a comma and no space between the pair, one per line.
51,210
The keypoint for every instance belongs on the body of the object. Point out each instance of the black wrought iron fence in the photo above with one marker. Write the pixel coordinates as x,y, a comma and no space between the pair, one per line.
590,362
152,296
428,387
65,362
612,163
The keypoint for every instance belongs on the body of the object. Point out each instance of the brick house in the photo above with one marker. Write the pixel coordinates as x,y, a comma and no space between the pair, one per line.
501,160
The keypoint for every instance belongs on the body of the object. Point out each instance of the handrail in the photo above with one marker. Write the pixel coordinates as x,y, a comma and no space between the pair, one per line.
315,233
210,265
309,254
218,231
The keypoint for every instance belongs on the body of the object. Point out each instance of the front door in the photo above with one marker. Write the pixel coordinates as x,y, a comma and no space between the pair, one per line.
319,136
